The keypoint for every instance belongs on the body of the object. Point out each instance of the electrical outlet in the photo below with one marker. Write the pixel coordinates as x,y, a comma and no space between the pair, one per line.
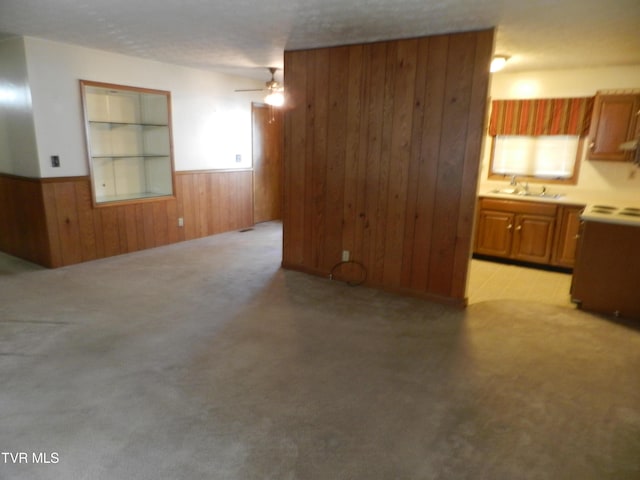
55,161
180,222
345,255
238,158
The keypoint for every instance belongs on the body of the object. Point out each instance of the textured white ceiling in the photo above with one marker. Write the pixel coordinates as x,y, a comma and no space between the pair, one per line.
244,36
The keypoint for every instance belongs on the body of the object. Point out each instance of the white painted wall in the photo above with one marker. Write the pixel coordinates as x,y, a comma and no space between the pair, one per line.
211,122
594,176
18,154
563,83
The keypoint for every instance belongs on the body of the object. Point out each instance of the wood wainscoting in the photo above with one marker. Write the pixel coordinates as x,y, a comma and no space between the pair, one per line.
213,201
52,222
382,151
23,225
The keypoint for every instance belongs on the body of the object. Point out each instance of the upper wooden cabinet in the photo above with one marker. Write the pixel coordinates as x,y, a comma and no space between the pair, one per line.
614,121
129,142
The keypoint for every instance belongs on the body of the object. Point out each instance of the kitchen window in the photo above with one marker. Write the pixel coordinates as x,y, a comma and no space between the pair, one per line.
548,157
539,139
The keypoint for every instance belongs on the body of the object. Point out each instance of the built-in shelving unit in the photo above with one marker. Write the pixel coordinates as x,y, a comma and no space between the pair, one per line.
129,142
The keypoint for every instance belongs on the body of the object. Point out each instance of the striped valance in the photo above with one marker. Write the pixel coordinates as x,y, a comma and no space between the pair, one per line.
541,116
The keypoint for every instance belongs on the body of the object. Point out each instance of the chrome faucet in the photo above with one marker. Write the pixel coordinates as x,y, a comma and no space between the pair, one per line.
514,183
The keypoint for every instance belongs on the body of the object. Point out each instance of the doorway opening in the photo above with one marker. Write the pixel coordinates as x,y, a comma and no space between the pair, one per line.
267,144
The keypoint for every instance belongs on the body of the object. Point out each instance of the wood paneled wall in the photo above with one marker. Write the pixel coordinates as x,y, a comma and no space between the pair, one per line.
23,227
382,151
213,202
52,221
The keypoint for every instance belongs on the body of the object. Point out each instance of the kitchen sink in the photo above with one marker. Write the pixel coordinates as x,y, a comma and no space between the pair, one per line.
519,192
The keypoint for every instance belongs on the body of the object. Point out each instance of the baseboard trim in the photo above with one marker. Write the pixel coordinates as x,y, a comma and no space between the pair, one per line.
460,303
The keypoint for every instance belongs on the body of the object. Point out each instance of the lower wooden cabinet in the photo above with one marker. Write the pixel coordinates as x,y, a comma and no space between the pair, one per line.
605,278
568,233
494,232
533,237
536,232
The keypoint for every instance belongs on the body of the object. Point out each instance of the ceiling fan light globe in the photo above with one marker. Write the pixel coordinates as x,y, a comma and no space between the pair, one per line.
275,99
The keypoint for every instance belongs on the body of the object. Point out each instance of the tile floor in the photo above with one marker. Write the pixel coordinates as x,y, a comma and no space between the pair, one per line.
495,281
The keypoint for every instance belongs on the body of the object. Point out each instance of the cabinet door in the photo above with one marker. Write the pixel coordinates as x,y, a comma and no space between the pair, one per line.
566,243
533,238
494,234
613,122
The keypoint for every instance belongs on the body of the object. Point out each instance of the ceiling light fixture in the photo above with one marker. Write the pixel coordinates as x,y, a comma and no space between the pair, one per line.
274,89
275,97
498,63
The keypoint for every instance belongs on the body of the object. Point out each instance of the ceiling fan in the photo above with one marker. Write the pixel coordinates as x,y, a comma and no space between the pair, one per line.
275,95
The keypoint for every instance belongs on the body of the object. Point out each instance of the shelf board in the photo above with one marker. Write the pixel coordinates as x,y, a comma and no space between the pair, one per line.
128,124
130,196
145,155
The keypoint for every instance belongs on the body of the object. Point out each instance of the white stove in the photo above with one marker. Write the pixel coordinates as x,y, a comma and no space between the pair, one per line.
612,214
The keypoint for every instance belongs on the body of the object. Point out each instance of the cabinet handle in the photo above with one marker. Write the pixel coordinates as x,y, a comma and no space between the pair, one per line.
519,227
592,144
509,227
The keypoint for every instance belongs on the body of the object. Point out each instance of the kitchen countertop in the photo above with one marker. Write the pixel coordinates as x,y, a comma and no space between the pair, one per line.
578,198
618,201
562,200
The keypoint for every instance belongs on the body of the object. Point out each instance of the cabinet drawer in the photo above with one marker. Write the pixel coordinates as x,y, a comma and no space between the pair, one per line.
517,206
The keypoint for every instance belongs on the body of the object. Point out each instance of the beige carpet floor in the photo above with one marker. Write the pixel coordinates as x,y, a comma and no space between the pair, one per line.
205,360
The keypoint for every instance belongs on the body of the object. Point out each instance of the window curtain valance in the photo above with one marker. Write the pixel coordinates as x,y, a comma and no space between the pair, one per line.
541,116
